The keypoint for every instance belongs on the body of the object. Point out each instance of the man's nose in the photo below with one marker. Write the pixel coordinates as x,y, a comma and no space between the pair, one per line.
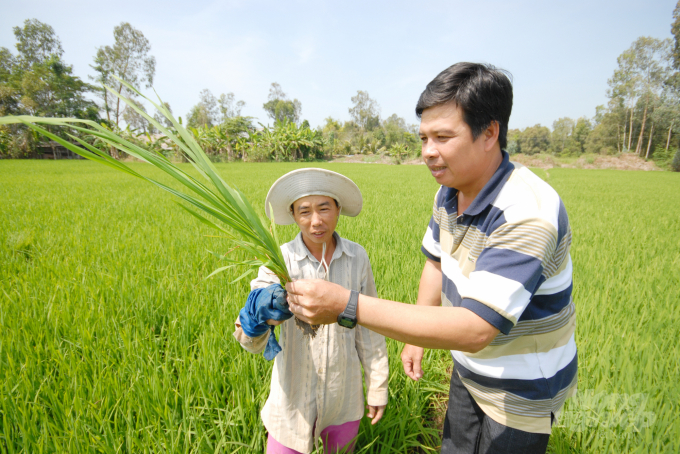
316,219
429,150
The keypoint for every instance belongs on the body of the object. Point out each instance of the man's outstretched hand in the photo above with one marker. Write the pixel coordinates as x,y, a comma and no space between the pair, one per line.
315,301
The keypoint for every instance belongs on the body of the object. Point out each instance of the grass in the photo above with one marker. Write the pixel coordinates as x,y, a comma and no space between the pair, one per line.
112,341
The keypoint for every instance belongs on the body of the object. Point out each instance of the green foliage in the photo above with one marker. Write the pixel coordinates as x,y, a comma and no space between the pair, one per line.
532,140
605,137
229,107
513,141
281,109
285,142
640,84
398,151
112,340
38,82
675,31
205,113
129,60
644,107
36,42
219,205
211,111
664,158
675,164
561,135
581,131
335,137
21,242
365,112
160,118
5,141
390,134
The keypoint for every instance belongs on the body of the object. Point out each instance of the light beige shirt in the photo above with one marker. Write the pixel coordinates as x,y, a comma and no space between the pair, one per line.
319,380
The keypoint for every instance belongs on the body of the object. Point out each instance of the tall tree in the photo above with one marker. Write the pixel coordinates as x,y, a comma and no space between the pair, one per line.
38,82
128,59
561,134
281,109
229,107
675,31
135,120
36,42
206,112
162,119
396,131
582,129
534,139
642,71
9,93
365,112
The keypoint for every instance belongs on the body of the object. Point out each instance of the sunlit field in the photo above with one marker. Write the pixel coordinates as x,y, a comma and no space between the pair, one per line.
112,340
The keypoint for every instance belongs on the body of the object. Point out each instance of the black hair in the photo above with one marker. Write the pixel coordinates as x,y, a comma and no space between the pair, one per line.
482,91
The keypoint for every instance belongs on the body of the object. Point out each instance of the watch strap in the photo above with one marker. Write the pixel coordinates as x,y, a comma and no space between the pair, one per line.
350,311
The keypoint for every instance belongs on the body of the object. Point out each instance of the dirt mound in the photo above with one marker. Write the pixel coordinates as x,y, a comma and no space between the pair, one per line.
374,159
624,161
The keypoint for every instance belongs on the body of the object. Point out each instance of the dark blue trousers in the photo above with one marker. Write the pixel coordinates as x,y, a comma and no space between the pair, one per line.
467,430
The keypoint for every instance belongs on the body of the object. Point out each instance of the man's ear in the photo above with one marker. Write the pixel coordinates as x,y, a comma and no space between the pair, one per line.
491,135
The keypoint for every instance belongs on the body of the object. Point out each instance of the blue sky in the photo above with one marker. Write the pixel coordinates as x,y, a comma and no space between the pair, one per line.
560,53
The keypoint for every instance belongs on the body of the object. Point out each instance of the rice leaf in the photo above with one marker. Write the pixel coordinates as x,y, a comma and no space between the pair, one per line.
215,203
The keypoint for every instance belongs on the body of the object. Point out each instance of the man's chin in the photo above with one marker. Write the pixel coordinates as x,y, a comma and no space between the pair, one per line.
445,180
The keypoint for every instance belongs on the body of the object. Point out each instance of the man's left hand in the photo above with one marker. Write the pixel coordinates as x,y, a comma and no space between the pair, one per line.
375,413
315,301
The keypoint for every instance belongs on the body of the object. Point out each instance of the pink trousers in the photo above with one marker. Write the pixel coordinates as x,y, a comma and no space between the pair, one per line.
334,439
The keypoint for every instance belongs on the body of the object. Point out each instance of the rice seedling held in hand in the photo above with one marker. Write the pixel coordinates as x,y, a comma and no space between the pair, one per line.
211,200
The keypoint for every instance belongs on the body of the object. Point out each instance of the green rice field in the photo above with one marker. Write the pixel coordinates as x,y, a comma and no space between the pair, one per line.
113,341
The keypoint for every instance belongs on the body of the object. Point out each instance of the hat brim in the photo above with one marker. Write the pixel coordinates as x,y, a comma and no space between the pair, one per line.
311,181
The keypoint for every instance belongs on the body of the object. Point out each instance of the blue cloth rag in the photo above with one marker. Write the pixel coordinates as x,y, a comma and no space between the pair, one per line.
264,304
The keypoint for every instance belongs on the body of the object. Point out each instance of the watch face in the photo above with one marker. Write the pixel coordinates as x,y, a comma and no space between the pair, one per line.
346,322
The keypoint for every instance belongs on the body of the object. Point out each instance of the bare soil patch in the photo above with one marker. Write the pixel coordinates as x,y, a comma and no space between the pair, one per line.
376,159
365,159
623,161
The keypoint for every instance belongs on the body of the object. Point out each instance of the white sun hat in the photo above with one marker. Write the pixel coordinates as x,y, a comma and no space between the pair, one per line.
311,181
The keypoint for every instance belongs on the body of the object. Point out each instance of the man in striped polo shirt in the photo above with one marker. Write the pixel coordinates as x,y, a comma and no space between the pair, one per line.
497,282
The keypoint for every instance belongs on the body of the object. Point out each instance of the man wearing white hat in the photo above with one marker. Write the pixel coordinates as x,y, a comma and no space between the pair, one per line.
316,388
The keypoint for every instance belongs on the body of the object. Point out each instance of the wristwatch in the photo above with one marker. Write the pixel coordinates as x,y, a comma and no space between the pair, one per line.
348,318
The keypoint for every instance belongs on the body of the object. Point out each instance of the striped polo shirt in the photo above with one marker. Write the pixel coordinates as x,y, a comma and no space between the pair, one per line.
506,258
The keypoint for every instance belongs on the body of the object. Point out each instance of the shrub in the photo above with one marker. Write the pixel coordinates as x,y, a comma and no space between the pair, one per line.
664,158
258,154
5,141
675,165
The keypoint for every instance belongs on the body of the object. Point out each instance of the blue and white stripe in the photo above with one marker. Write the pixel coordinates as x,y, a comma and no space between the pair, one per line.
506,258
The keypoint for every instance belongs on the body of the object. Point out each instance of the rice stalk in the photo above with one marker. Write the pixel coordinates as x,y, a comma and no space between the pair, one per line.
210,199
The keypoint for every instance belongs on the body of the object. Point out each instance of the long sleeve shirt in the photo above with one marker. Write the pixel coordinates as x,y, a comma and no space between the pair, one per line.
316,382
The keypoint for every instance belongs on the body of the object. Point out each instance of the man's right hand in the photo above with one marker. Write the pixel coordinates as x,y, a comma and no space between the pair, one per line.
316,301
411,358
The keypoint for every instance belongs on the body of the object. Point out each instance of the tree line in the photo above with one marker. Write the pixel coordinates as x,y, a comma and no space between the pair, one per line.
642,115
36,81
